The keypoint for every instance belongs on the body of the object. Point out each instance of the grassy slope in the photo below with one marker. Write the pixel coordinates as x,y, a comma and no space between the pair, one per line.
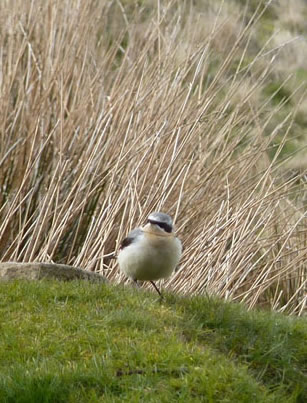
84,342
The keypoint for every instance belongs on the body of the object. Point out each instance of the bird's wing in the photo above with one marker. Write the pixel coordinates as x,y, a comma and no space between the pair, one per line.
130,238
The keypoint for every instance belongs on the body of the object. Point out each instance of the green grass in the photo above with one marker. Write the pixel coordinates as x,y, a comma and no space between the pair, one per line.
81,342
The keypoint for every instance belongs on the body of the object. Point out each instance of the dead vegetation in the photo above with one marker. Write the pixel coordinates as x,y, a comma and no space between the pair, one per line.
110,111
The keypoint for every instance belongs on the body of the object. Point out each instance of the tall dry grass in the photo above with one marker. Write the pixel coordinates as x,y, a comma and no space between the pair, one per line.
110,111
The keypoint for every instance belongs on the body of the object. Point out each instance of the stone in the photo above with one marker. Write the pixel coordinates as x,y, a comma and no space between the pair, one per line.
38,271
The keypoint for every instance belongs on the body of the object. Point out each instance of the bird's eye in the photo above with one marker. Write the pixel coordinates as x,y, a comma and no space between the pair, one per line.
163,225
166,227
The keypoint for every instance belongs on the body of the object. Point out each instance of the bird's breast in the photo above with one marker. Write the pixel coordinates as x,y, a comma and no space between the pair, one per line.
151,258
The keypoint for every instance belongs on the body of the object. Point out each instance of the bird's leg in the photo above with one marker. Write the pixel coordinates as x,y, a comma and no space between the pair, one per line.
157,289
136,283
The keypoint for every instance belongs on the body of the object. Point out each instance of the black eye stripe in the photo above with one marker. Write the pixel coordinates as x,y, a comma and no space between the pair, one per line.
166,227
163,225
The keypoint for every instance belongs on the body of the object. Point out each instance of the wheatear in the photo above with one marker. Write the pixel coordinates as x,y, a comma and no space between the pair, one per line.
151,252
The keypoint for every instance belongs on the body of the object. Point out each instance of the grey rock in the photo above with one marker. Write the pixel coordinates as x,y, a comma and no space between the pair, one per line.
38,271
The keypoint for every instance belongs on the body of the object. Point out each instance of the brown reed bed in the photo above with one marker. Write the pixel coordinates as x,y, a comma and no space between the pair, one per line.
110,111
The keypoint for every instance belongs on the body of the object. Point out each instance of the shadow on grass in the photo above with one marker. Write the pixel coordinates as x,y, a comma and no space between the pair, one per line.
272,345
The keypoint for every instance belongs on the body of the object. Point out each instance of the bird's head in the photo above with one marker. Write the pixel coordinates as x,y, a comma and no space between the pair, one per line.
159,223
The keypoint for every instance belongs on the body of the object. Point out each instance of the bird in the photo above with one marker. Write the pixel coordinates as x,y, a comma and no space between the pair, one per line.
151,252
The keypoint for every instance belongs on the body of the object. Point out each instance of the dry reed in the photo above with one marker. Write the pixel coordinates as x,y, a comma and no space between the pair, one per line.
110,111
